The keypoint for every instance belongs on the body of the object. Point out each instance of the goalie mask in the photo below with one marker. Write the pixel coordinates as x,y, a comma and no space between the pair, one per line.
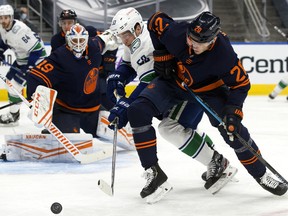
77,39
204,28
126,20
7,10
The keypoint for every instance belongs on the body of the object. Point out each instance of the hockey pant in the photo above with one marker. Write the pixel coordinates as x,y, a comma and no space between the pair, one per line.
194,144
179,129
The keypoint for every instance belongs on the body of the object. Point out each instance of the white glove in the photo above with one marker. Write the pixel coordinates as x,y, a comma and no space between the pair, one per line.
110,40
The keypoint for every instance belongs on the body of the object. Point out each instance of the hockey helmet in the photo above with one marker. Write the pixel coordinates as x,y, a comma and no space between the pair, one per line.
6,10
126,20
77,39
68,14
204,27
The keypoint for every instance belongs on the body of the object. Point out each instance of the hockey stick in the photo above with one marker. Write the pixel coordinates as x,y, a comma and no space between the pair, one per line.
104,186
276,28
8,105
243,142
10,65
70,147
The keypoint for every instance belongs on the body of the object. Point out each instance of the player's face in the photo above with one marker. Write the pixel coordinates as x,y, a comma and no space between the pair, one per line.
127,38
6,21
66,24
197,47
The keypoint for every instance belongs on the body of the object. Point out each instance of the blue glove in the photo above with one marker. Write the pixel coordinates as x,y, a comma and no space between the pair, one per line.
120,111
232,117
18,73
115,82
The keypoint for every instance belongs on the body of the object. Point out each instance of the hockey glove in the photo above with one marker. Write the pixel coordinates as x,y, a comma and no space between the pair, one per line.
232,117
164,64
108,63
120,111
115,82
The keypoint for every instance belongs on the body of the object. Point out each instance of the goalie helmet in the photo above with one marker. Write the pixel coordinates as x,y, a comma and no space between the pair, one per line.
6,10
77,39
204,27
125,20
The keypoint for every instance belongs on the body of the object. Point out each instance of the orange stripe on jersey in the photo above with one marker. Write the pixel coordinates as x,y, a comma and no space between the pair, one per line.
246,82
210,86
251,160
163,58
91,109
41,76
143,145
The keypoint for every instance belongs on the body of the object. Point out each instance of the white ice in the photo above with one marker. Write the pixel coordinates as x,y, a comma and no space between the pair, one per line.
29,189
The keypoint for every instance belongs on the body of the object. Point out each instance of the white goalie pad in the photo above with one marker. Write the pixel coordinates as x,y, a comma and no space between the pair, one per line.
45,147
124,135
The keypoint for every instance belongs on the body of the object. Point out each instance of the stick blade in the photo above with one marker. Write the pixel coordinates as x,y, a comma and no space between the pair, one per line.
106,188
96,156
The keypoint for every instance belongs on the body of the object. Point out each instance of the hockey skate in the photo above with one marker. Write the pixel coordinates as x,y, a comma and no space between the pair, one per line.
219,173
271,96
10,119
272,185
156,186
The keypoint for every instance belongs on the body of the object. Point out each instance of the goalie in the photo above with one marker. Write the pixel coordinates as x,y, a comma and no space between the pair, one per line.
73,70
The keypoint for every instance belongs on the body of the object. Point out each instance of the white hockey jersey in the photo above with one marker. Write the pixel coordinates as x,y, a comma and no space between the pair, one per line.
22,40
140,55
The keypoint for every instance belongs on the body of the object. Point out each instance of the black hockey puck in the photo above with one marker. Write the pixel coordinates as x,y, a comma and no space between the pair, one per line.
56,208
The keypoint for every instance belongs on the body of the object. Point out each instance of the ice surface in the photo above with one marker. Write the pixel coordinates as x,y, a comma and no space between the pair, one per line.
29,189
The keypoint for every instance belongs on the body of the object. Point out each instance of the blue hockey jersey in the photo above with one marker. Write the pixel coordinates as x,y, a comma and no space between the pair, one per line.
213,68
76,80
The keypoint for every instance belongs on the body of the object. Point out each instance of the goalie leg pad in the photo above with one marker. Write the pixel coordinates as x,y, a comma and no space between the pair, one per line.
124,135
44,147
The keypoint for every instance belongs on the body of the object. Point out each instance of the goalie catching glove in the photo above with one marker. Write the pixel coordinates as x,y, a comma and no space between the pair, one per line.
120,111
164,64
232,117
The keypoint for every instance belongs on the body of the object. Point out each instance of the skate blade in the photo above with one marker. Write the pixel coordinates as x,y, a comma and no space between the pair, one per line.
226,177
159,194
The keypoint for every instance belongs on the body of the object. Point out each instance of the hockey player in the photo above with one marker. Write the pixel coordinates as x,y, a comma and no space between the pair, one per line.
29,50
67,18
73,70
283,83
207,63
137,60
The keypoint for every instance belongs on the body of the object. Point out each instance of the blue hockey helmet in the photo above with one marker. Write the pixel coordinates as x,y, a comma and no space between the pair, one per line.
204,27
68,14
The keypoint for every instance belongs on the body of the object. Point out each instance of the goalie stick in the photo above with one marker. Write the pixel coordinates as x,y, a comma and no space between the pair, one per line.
70,147
243,142
104,186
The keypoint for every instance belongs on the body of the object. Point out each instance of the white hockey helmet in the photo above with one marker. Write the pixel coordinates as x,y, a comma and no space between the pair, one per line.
6,10
125,20
77,39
